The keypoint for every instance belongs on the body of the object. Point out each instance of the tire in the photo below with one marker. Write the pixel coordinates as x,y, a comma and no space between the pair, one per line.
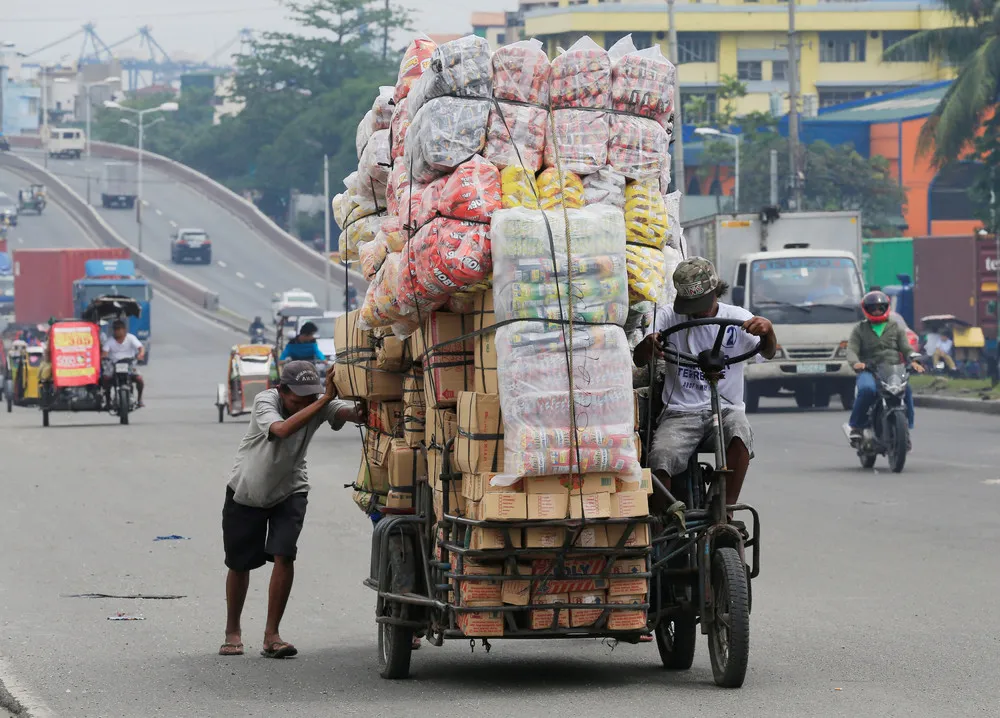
804,398
897,441
222,413
676,639
729,630
395,644
867,460
821,399
45,417
123,406
847,400
751,398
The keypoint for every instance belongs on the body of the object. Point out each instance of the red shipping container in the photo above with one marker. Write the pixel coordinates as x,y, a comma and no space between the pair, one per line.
43,280
955,275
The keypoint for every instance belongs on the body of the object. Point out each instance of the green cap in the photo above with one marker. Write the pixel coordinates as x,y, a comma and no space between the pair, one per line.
695,280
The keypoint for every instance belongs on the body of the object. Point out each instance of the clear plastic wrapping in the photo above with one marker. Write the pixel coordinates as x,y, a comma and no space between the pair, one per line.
460,68
665,175
365,129
673,203
373,170
516,135
519,188
443,134
359,229
581,137
382,108
372,254
606,186
398,127
642,84
637,147
521,73
415,62
381,307
581,76
646,221
554,190
646,274
671,258
397,189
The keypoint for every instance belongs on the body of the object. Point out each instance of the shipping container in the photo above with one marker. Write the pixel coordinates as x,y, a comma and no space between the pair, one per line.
43,280
884,259
956,275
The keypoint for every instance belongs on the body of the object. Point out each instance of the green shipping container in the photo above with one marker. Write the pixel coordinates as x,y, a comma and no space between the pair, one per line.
883,259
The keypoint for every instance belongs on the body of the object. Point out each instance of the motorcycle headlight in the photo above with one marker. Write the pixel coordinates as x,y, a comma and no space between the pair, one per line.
896,388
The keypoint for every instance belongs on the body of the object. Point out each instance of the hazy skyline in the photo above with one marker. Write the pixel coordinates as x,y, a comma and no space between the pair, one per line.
188,28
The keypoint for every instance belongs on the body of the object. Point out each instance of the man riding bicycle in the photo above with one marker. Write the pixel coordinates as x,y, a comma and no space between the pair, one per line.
875,341
686,419
119,346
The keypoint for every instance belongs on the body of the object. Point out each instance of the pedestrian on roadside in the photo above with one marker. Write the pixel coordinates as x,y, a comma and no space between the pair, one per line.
267,494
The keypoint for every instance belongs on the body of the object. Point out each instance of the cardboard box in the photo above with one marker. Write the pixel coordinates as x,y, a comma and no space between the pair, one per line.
386,417
353,350
441,427
400,501
628,504
435,464
574,569
593,484
479,445
486,624
414,425
592,537
407,466
643,483
542,618
447,362
377,447
475,485
544,537
480,593
586,617
547,507
503,507
456,502
390,354
638,537
517,592
590,506
480,539
630,583
625,620
373,478
546,484
484,348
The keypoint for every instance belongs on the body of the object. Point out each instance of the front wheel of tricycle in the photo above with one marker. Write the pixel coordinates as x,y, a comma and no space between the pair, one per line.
676,638
729,629
45,417
395,644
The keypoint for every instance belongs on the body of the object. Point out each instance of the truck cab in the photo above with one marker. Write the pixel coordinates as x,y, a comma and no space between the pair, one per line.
116,277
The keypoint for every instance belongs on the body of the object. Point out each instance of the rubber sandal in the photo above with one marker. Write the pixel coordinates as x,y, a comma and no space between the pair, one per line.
279,649
231,649
415,644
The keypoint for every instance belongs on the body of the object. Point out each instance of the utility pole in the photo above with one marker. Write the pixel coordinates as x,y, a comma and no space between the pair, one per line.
326,228
774,178
678,120
793,109
385,36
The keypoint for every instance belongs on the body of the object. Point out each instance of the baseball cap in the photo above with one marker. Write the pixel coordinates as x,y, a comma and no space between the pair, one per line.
695,280
302,378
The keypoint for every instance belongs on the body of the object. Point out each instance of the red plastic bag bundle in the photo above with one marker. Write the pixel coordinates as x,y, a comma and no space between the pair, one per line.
416,60
581,137
398,126
581,76
521,73
637,147
516,136
427,209
448,256
471,192
642,84
398,188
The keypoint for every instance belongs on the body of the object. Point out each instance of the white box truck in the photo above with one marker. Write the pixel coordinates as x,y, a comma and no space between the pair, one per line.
801,271
118,185
65,142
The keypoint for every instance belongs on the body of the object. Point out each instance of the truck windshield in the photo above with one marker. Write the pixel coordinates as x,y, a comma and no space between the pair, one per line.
806,290
91,292
6,285
324,326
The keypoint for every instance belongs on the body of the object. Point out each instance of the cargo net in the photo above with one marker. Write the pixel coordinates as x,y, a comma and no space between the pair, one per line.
515,214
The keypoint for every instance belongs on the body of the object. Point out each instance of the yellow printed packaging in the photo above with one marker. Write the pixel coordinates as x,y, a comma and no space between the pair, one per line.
646,268
645,215
553,192
518,188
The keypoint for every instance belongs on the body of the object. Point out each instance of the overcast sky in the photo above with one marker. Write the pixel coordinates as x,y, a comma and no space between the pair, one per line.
194,28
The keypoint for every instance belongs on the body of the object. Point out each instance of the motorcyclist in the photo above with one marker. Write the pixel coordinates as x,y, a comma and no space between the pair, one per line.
303,346
876,340
686,419
256,325
123,345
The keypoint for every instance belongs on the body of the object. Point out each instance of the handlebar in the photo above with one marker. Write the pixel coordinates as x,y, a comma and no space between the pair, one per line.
709,360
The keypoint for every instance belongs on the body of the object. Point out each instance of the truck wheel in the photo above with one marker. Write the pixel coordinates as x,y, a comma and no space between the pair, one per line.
804,398
822,399
751,398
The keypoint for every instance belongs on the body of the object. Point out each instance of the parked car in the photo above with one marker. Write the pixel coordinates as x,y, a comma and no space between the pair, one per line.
190,244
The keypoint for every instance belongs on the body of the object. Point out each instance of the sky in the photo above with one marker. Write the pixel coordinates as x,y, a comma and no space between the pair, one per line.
193,29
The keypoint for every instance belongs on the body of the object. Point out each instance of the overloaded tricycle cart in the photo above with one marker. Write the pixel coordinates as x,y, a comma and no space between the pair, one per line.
663,572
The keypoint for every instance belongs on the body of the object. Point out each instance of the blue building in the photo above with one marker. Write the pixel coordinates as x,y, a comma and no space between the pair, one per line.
19,105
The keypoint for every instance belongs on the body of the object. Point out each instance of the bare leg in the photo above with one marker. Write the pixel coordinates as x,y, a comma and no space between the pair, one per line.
237,585
140,385
738,460
277,596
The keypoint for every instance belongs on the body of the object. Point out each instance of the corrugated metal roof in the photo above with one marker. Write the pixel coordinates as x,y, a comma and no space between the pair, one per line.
893,107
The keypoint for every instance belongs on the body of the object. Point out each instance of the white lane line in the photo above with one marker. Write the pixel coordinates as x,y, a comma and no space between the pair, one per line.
173,223
145,203
20,240
241,275
992,482
221,264
158,212
32,704
258,285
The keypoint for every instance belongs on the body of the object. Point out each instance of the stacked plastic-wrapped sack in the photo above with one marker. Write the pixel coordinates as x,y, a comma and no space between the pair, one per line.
519,120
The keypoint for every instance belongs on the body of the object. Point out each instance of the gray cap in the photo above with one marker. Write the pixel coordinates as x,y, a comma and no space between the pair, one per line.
695,280
302,378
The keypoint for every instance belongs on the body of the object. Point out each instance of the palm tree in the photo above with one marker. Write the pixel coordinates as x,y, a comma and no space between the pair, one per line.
972,46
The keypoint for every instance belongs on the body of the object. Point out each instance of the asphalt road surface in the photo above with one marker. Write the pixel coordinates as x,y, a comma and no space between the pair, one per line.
246,269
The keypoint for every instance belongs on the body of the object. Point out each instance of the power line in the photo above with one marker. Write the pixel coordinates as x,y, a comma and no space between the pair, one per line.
79,18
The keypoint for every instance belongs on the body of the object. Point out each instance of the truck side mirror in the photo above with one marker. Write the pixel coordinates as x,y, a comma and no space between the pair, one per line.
739,294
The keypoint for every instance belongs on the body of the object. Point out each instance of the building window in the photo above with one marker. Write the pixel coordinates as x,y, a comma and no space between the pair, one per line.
749,71
779,70
949,194
501,38
839,97
701,110
842,46
908,54
696,47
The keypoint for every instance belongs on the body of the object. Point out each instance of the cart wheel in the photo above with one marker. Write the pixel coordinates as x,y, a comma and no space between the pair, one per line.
45,417
867,460
395,643
676,638
897,442
729,630
222,413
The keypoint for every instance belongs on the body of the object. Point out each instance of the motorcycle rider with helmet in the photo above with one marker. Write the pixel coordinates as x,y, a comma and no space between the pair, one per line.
256,326
876,340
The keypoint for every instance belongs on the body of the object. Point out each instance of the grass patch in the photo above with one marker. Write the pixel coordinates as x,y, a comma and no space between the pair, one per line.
946,386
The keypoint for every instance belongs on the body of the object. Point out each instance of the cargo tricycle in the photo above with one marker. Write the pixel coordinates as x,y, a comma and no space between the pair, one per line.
252,369
32,198
666,573
24,365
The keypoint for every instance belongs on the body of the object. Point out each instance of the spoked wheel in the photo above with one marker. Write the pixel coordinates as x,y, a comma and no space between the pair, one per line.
395,644
729,630
676,638
897,441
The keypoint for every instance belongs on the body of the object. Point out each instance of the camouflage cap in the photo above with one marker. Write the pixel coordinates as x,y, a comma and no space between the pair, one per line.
695,280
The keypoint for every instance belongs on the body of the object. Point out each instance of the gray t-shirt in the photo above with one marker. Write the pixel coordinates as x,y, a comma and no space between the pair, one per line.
268,470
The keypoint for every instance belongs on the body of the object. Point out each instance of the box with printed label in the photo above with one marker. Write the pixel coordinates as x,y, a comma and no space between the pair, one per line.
502,507
590,506
373,478
354,352
479,446
546,484
484,348
592,537
625,579
586,616
544,536
407,466
386,417
543,618
390,354
447,359
377,447
579,574
628,504
441,427
593,484
638,537
547,507
624,619
480,593
517,592
642,482
480,539
397,500
414,408
475,485
485,624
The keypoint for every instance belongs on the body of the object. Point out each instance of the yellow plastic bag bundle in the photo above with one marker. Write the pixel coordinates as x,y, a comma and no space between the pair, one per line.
647,274
552,192
646,220
518,188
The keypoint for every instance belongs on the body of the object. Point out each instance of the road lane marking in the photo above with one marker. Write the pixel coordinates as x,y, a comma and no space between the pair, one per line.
992,482
158,212
241,275
20,240
145,203
221,264
258,285
173,223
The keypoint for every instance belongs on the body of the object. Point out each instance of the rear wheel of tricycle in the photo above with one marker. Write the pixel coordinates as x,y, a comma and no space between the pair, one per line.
676,638
729,629
395,644
45,417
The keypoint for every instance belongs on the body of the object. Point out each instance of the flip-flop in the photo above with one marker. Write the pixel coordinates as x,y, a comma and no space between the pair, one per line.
231,649
279,649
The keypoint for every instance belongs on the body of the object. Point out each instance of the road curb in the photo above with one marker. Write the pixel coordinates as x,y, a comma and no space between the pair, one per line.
954,403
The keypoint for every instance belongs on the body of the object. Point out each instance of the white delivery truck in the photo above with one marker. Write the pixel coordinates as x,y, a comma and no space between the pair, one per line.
801,271
118,185
65,142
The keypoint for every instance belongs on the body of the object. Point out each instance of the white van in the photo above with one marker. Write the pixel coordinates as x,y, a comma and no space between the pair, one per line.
66,142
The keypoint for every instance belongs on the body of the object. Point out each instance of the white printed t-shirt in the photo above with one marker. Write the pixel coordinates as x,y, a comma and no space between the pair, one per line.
685,388
128,349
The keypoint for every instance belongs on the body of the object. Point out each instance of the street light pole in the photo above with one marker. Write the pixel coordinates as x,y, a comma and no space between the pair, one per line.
678,119
45,117
326,227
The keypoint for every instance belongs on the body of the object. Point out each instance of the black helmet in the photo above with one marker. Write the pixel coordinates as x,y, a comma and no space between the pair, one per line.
875,306
256,320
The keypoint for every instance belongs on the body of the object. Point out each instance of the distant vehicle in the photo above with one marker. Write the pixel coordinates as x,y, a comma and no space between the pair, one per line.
292,298
4,144
190,244
118,185
6,290
324,331
65,142
8,208
117,278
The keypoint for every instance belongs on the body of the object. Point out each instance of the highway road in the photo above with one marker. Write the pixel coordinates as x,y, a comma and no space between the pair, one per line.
246,269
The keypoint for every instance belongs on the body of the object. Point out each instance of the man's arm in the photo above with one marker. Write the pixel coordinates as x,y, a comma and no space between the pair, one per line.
854,346
285,353
760,327
140,350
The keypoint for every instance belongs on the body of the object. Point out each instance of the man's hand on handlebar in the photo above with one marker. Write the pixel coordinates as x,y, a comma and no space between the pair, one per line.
859,366
648,348
917,366
761,327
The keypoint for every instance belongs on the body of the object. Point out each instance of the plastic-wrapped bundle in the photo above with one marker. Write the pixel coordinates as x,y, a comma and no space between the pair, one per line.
554,191
671,258
637,147
395,236
471,192
606,186
397,189
444,257
415,62
444,133
665,176
642,84
381,307
516,135
461,68
521,73
581,76
581,137
382,108
518,187
343,207
365,130
427,209
673,203
646,220
646,274
359,229
373,170
372,255
398,127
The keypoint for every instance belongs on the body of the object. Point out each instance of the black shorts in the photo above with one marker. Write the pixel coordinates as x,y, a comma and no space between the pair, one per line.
253,536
